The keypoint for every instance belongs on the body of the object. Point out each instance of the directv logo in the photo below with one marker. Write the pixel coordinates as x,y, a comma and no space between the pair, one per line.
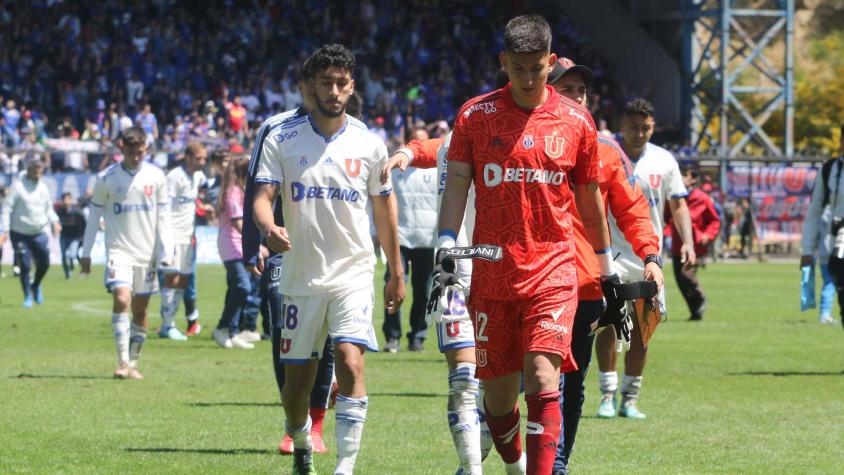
301,192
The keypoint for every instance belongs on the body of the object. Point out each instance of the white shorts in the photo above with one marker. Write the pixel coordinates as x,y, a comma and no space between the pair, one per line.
141,279
306,321
183,257
457,330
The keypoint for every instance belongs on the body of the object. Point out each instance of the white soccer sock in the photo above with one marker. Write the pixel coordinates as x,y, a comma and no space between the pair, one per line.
350,415
301,436
608,381
120,330
170,299
194,316
630,386
486,436
463,419
137,337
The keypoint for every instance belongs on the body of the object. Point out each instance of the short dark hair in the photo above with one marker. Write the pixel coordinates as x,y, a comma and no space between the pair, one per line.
133,135
66,194
217,156
527,34
355,105
691,170
328,56
639,106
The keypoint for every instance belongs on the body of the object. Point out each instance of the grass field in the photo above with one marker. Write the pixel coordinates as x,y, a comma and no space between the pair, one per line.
755,388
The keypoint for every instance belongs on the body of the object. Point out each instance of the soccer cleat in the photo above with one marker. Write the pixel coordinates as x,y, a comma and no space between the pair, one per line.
318,444
630,409
286,445
122,371
39,296
392,346
193,328
827,319
606,408
27,301
250,336
134,374
238,342
172,333
303,462
221,336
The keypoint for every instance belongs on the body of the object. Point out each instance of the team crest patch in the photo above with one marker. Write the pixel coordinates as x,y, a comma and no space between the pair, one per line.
303,160
527,142
353,167
148,189
276,273
480,357
655,180
554,146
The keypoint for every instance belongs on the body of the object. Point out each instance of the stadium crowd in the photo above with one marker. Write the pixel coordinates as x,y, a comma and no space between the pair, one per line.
212,72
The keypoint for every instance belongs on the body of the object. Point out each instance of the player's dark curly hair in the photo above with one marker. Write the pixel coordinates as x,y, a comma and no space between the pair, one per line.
527,34
639,106
328,56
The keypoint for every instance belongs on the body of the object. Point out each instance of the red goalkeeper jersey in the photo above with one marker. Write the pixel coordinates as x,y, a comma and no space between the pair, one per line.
524,164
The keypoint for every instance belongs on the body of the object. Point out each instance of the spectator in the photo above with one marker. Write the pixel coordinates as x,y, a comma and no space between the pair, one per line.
73,229
11,119
241,301
705,227
238,125
146,120
134,91
416,195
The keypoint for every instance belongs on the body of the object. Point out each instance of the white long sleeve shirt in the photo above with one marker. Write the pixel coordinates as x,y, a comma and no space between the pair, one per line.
28,208
816,226
416,195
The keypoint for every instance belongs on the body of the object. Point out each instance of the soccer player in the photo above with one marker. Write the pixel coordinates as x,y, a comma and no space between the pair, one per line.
658,175
326,166
268,267
628,205
132,197
26,211
528,152
183,183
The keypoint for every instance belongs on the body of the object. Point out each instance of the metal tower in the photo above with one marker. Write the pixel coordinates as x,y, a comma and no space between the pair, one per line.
733,87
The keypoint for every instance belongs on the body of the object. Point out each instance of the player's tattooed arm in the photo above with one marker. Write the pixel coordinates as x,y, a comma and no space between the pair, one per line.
262,212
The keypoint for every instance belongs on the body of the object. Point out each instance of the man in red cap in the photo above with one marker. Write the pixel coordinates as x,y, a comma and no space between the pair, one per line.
627,204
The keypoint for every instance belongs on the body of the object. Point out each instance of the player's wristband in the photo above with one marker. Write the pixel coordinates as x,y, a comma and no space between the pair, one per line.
446,239
605,260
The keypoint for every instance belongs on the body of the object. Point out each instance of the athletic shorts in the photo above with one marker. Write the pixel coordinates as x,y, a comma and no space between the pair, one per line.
141,279
506,330
306,321
458,331
183,257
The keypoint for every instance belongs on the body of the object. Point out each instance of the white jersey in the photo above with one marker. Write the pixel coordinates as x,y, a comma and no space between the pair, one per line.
325,187
183,190
658,175
130,203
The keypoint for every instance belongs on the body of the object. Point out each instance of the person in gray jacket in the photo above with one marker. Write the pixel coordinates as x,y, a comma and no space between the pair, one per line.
824,221
416,193
26,212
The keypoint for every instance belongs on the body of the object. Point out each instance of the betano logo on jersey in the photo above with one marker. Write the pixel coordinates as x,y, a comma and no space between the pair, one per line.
301,192
494,175
132,208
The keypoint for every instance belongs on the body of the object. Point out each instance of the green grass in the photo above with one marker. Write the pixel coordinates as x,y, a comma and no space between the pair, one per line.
755,388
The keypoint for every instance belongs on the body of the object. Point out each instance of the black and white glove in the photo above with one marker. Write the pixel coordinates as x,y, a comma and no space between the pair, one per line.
444,276
614,313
